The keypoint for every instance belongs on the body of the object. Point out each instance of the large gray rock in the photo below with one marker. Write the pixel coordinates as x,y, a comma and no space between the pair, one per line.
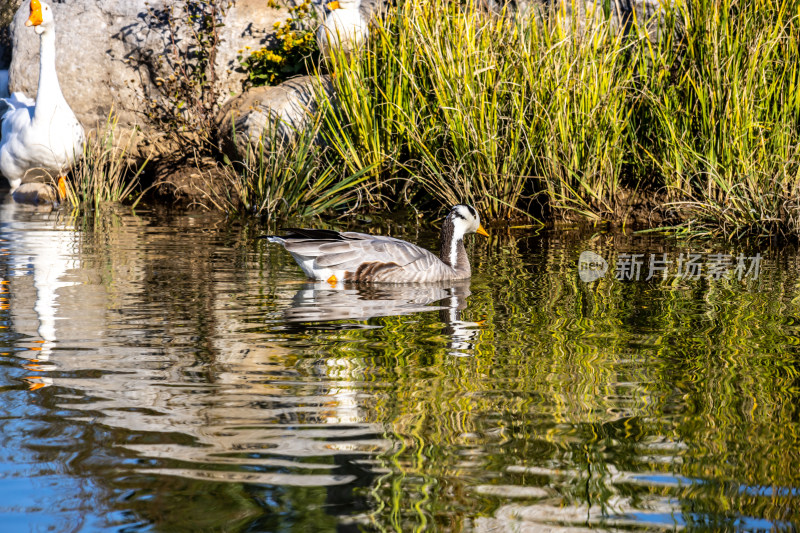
263,113
118,54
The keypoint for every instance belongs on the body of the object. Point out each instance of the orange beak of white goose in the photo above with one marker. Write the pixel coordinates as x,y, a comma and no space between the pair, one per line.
481,231
36,14
333,5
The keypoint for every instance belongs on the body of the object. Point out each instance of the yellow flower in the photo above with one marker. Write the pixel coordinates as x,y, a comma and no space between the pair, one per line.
272,57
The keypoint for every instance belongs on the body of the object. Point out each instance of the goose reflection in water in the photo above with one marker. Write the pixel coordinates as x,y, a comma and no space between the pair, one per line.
38,249
105,345
347,306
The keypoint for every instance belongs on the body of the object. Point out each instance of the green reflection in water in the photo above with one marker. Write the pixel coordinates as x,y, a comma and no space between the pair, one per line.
190,398
578,388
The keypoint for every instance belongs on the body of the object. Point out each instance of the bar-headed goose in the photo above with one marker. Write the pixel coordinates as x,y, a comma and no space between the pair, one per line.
357,257
41,138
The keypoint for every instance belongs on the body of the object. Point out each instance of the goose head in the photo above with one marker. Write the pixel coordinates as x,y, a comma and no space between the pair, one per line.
41,17
464,220
343,4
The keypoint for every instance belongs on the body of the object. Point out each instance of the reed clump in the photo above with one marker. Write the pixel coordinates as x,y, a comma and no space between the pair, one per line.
723,99
291,175
557,115
109,171
504,112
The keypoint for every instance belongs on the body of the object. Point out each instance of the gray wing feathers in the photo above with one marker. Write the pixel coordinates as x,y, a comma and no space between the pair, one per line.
304,248
339,247
348,255
336,259
354,251
379,258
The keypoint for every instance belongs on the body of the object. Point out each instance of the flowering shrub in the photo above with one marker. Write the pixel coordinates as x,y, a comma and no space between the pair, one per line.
294,45
184,102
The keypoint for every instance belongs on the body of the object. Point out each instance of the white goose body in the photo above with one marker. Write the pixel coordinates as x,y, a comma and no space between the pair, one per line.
344,27
41,139
358,257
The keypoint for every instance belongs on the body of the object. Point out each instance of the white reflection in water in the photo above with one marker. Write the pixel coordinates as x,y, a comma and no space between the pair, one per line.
102,327
324,302
41,252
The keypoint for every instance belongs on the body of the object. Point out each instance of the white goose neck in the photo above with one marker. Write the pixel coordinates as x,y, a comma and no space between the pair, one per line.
453,252
48,96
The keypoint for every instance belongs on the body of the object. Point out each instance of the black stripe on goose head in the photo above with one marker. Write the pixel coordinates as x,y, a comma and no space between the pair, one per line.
464,212
456,212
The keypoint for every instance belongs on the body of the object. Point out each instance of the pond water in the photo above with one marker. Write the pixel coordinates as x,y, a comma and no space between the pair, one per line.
173,373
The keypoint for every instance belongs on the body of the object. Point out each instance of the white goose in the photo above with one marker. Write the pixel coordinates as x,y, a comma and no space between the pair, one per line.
357,257
41,139
344,27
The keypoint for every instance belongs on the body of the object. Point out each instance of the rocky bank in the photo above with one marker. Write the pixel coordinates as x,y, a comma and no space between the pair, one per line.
122,56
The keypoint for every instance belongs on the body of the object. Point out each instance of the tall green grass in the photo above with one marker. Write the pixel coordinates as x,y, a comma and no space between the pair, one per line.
583,83
569,112
725,104
491,109
285,176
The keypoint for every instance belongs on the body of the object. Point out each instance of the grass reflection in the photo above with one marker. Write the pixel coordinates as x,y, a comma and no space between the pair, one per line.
192,385
692,380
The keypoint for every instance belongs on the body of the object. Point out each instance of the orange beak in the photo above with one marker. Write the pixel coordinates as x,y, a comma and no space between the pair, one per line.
481,231
333,5
36,14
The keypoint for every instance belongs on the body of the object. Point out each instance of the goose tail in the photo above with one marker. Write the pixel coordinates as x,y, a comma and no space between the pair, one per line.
305,234
19,101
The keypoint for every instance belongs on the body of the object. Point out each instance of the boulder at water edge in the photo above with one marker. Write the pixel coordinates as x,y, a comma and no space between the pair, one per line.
265,113
112,53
